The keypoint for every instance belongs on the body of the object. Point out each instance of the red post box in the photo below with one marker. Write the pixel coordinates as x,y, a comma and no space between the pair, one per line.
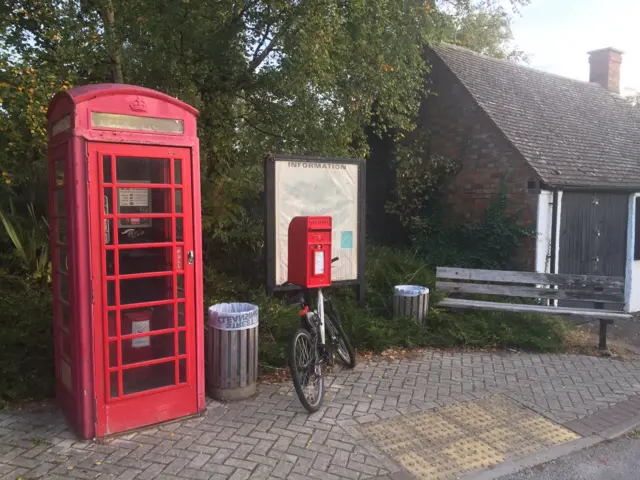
310,252
124,194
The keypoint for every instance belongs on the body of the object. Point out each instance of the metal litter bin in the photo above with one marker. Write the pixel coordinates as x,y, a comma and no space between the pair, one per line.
232,351
411,301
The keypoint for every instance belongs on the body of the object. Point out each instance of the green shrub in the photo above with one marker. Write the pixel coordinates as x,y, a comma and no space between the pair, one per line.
373,327
491,242
26,341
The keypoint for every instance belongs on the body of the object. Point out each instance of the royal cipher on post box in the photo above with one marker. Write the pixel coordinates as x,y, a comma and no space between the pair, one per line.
309,263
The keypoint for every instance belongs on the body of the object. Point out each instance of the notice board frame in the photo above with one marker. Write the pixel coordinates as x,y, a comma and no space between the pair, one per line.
270,188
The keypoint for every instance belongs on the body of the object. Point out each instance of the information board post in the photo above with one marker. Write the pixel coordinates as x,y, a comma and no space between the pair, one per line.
315,186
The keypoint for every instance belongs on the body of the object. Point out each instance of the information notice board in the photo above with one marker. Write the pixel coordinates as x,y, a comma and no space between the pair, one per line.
301,186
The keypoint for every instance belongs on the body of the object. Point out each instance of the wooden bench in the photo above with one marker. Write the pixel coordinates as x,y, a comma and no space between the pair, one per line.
586,289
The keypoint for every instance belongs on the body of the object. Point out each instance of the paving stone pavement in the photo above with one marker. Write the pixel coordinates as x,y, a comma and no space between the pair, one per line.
271,436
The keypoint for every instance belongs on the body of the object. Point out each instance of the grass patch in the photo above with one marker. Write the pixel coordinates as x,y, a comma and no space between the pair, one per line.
373,328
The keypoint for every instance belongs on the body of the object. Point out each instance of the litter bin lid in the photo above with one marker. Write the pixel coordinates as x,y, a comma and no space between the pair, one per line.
410,290
233,316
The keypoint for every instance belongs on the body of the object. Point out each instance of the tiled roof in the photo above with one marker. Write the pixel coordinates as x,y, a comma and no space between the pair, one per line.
572,133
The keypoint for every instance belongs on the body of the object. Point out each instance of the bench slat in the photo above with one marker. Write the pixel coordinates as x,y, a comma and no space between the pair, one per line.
535,309
532,278
584,295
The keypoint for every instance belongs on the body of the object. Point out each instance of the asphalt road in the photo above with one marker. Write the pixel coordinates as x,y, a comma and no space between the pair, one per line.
615,460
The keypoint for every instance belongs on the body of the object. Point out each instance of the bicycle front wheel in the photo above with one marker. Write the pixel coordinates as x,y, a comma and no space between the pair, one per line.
306,372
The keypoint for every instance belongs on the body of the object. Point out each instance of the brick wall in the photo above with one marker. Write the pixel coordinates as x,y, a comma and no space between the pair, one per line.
461,130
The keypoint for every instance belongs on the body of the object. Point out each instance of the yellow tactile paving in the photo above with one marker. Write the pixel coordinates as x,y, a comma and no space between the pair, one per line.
508,441
434,428
546,431
444,443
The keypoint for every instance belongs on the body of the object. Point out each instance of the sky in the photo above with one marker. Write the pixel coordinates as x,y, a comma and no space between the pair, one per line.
557,34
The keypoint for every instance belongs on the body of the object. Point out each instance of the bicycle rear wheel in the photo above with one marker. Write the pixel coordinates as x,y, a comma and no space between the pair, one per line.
306,372
338,337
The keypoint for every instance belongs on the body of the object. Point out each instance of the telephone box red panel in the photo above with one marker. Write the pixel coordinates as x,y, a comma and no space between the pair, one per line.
310,252
124,191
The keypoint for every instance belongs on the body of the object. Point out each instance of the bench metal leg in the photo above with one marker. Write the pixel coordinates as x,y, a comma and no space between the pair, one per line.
602,346
603,336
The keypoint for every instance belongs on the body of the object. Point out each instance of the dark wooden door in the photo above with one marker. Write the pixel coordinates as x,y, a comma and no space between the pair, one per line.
593,235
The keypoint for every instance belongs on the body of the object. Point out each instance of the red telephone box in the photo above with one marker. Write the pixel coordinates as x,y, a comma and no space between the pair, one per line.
126,247
309,262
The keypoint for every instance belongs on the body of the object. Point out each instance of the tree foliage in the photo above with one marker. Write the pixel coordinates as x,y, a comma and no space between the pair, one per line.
293,76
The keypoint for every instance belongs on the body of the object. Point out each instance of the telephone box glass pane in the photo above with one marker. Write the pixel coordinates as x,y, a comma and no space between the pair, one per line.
108,231
179,229
106,169
66,315
113,353
111,293
65,345
65,374
181,314
112,318
64,286
158,230
180,286
142,201
182,369
113,384
143,170
182,343
59,175
177,175
62,230
144,349
110,254
159,318
60,126
58,202
178,200
108,201
144,260
63,262
140,379
142,290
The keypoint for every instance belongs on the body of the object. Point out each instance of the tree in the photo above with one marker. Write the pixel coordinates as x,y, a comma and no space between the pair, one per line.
295,76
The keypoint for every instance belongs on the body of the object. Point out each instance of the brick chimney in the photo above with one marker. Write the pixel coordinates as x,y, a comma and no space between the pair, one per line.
605,68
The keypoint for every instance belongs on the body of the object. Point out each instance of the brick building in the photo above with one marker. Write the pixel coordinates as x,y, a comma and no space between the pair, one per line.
566,151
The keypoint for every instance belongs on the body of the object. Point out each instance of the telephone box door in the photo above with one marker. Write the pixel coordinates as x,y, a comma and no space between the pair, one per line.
143,284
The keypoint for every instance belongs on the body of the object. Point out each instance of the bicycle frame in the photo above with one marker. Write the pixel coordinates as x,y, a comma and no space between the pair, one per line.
320,308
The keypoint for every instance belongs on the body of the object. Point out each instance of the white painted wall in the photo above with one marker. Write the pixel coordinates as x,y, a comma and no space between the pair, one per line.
632,284
543,228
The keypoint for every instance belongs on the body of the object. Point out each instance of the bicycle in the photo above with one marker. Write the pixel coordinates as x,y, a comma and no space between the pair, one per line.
310,351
